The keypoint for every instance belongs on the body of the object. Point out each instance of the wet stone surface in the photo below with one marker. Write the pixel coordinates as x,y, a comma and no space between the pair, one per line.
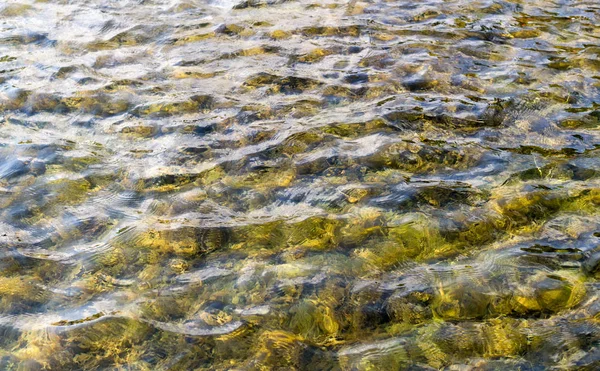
299,185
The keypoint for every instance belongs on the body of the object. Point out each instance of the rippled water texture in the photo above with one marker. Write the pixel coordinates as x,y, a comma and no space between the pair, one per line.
318,185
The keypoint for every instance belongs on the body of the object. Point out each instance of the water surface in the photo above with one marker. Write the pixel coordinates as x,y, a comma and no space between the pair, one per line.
279,185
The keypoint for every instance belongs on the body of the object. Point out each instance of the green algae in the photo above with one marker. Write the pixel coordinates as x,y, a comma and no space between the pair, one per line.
187,241
197,103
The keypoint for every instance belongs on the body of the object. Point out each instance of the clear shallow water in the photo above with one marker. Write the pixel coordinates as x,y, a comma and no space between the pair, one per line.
299,185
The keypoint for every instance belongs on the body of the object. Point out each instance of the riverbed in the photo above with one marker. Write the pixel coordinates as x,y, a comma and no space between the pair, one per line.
299,185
